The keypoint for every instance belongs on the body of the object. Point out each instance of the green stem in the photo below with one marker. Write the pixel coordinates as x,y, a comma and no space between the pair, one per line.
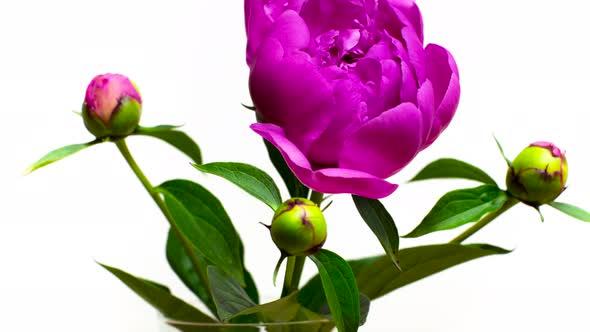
287,282
316,197
486,220
122,146
295,263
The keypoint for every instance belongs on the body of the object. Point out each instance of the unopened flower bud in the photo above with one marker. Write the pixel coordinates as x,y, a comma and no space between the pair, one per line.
298,227
112,106
538,174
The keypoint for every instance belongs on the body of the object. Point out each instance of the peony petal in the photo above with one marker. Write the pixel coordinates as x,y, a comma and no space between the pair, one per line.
385,144
409,87
413,14
259,16
392,18
257,25
291,31
369,72
347,119
325,15
330,180
415,52
291,92
390,85
425,98
444,75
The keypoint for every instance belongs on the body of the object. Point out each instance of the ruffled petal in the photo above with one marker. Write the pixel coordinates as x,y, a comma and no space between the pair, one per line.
291,31
328,180
443,73
390,84
326,15
291,92
350,109
257,25
425,98
392,18
259,16
411,14
385,144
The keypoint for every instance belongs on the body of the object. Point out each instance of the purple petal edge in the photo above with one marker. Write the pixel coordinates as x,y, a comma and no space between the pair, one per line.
327,180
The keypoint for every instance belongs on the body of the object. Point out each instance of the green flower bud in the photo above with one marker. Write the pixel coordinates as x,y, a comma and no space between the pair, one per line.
298,227
112,106
538,174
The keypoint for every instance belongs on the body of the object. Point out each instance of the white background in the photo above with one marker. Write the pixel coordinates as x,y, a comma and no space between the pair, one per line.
524,75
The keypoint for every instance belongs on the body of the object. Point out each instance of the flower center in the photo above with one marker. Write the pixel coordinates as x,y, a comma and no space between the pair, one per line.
342,48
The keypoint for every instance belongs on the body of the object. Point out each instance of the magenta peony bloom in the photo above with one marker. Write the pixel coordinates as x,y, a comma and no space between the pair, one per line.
346,90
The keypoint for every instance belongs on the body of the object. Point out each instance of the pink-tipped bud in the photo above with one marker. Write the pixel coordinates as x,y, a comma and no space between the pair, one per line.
538,174
112,106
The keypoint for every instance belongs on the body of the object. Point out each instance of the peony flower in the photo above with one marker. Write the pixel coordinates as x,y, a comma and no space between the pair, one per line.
538,174
346,90
112,106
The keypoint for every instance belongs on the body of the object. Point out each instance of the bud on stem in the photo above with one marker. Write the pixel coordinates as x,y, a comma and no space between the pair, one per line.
298,227
112,106
538,174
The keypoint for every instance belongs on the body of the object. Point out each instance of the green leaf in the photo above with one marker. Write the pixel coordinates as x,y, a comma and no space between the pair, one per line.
453,168
380,277
572,210
160,298
287,310
58,154
201,218
250,288
252,179
459,207
182,265
381,223
176,138
295,187
230,298
365,304
312,295
341,290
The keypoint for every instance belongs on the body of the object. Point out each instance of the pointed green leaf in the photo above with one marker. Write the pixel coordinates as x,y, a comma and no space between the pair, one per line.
341,290
160,298
295,187
459,207
572,210
379,277
287,310
230,298
182,265
201,218
250,287
176,138
252,179
381,223
58,154
453,168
